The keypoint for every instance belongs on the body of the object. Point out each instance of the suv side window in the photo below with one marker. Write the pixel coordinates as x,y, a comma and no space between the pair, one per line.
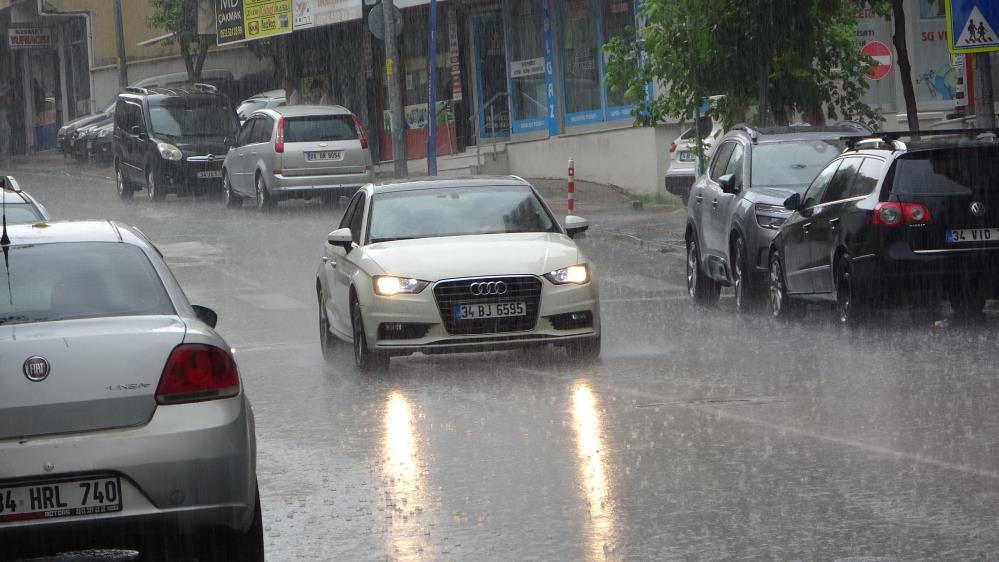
262,132
246,133
867,178
720,161
839,187
819,185
735,164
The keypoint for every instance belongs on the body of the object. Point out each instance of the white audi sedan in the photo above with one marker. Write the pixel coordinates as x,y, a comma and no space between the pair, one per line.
441,266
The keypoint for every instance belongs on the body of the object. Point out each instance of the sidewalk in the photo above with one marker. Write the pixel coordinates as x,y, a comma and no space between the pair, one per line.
648,222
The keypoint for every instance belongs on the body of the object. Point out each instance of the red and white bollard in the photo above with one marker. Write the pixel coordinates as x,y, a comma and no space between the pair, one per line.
572,186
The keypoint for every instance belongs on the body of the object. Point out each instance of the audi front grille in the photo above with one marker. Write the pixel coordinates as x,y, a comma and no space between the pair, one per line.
526,289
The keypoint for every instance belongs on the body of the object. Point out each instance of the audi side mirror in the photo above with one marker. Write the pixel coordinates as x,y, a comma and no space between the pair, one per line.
575,225
793,203
341,238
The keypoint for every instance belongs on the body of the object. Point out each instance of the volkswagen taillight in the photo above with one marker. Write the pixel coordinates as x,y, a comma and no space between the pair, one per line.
893,214
196,372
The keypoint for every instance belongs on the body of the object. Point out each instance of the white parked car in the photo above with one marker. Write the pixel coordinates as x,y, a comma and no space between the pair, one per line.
454,265
263,100
682,171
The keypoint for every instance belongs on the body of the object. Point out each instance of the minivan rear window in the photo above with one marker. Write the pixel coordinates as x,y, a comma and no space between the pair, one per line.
947,171
317,128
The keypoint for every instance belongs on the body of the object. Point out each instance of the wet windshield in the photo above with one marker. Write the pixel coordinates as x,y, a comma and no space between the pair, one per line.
192,118
457,212
792,164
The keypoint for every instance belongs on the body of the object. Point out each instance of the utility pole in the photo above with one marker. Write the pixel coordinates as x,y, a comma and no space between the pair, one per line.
119,39
984,92
395,92
432,92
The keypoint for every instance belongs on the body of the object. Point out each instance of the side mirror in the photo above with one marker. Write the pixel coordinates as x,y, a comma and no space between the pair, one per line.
230,142
727,184
793,203
135,130
206,315
575,225
342,238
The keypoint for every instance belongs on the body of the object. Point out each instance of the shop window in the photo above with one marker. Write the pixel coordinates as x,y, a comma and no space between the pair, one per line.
618,21
527,67
581,82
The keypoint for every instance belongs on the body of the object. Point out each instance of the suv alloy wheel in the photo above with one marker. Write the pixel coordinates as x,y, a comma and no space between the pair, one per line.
700,287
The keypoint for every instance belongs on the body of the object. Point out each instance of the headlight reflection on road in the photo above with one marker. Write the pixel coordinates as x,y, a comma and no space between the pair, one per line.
588,424
405,493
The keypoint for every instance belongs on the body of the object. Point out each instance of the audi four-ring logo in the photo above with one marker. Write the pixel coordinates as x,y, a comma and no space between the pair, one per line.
488,288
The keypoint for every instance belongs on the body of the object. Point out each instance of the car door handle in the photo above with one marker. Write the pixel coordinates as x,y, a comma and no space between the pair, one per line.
714,204
330,261
806,227
699,198
834,223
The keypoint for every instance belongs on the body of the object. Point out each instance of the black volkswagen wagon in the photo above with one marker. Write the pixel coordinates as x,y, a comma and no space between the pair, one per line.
889,220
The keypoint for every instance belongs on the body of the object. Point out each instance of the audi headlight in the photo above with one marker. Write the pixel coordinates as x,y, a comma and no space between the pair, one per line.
104,133
169,151
771,216
387,285
578,274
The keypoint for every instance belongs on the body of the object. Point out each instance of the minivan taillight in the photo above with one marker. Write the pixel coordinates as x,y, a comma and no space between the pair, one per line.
279,136
195,372
893,214
360,132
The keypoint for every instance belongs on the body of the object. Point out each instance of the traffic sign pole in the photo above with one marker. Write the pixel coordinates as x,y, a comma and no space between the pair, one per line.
985,114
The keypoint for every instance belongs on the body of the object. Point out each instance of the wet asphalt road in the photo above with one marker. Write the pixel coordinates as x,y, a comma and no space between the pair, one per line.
700,435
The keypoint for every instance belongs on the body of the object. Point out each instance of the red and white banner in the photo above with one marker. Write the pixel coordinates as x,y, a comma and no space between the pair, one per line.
29,37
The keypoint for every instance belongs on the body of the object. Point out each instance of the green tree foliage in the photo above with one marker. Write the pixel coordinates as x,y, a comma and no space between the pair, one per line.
181,18
783,56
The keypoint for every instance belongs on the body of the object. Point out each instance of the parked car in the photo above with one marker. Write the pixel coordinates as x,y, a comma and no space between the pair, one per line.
263,100
454,265
736,207
78,145
170,140
99,142
296,152
123,413
65,133
683,162
889,221
19,206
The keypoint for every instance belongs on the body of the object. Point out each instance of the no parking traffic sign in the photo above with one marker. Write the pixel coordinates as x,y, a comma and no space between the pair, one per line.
971,26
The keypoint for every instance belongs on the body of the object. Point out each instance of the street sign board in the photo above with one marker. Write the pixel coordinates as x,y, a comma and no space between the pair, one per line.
971,26
317,13
29,38
247,20
882,59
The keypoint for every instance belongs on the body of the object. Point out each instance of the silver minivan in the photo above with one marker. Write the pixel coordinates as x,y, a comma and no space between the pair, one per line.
300,151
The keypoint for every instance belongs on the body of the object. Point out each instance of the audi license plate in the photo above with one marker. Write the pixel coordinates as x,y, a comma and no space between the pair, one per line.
686,156
47,500
966,235
324,155
209,174
489,310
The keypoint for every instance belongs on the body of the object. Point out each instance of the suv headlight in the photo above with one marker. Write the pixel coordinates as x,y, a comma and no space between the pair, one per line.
578,274
771,216
387,285
169,151
104,133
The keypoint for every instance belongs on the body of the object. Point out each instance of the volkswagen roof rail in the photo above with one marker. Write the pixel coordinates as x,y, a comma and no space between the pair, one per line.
136,90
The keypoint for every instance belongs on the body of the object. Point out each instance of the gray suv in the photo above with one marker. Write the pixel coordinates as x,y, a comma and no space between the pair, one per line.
736,208
296,152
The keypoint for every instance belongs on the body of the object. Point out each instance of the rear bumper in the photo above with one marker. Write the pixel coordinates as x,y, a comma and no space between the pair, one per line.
302,185
680,181
191,468
901,268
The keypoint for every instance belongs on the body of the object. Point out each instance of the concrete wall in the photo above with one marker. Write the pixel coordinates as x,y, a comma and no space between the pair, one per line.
631,158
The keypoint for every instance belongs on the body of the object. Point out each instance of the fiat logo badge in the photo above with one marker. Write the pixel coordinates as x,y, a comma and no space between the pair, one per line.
36,368
978,209
487,288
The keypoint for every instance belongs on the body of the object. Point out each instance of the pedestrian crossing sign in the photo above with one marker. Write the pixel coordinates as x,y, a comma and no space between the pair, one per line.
971,26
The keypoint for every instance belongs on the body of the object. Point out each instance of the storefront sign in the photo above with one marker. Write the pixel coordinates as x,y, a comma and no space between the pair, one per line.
453,53
549,69
317,13
29,37
529,67
248,20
